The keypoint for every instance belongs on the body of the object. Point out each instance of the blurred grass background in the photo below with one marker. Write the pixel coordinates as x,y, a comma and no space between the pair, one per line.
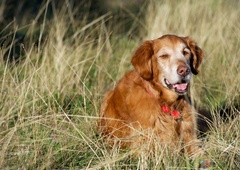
58,58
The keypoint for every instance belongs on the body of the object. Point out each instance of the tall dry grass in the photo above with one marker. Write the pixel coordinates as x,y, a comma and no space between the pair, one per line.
50,100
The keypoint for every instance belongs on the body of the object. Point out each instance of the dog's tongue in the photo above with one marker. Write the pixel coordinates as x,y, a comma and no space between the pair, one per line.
180,87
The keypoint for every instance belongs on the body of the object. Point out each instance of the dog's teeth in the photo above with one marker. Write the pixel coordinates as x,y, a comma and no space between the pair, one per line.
167,82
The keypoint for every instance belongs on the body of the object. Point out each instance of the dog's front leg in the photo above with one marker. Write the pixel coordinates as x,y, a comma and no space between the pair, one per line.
191,143
189,139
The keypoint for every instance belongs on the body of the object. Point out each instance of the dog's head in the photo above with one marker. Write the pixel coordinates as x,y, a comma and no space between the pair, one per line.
169,61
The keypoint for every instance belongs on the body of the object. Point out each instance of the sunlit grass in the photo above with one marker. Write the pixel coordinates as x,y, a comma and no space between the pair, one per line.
50,100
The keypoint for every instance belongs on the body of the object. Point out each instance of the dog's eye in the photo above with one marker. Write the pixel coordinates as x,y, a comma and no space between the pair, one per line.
164,56
186,52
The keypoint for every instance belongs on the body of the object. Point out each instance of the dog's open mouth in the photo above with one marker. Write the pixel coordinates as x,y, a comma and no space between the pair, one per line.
180,88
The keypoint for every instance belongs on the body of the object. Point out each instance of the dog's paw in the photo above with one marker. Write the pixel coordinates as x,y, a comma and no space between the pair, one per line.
205,164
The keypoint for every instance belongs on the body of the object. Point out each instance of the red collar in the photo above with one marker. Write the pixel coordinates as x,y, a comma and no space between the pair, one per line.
166,109
174,113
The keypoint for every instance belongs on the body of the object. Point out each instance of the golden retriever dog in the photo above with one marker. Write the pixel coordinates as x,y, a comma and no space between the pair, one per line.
152,98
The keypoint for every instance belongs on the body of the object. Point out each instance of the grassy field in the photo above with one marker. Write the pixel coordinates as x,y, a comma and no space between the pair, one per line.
49,100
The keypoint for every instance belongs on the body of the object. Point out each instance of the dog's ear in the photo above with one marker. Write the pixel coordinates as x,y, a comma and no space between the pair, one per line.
141,60
197,55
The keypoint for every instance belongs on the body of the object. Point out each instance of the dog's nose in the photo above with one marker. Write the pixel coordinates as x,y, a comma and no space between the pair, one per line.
183,71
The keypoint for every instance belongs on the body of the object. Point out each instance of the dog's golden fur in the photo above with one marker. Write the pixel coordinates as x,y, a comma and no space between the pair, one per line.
163,68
